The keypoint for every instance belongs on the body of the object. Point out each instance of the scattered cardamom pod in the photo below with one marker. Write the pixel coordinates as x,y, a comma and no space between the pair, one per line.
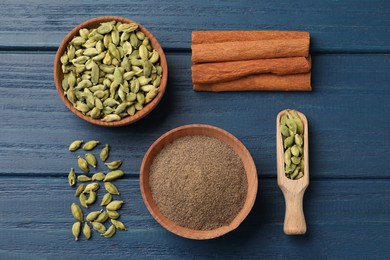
99,176
87,231
72,177
92,198
75,144
105,153
114,205
109,232
83,165
93,215
114,164
114,175
88,146
83,178
91,159
103,216
83,200
99,227
76,228
118,224
107,198
111,188
91,187
80,189
113,214
77,212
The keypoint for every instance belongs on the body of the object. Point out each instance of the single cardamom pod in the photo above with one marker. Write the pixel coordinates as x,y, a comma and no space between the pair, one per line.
155,57
295,160
94,186
111,188
109,232
140,35
105,153
111,118
91,159
114,205
77,41
91,199
72,177
88,146
143,52
115,37
114,175
75,145
127,27
80,189
99,176
295,150
76,228
95,73
287,156
83,178
107,198
83,165
288,142
113,214
138,106
131,110
104,28
120,108
284,130
83,200
99,227
103,216
93,215
87,231
134,41
118,224
298,140
140,98
77,212
151,95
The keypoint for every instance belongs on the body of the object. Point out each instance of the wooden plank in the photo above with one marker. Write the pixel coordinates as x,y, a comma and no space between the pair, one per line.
346,219
342,26
347,113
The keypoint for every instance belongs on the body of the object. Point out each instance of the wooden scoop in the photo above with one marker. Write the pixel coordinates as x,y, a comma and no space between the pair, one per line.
293,190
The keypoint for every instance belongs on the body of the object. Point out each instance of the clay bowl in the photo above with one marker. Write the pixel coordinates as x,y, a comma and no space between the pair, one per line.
94,23
205,130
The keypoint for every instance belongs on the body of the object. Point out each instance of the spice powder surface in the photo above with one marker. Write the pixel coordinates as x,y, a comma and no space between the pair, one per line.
198,182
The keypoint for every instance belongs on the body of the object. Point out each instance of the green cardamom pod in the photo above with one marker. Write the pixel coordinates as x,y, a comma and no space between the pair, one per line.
94,186
284,130
92,198
90,52
103,216
105,153
300,175
115,37
120,108
99,227
75,145
82,107
80,189
99,176
151,95
83,165
104,28
295,150
77,41
111,118
111,188
131,110
134,41
77,212
298,140
83,200
295,160
107,198
144,80
113,214
155,57
292,125
295,173
289,141
127,27
83,178
138,106
88,146
72,177
91,159
76,228
109,232
114,205
114,174
87,231
93,215
118,224
287,157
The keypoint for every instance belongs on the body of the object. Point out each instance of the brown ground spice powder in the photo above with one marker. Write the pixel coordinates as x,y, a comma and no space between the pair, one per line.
198,182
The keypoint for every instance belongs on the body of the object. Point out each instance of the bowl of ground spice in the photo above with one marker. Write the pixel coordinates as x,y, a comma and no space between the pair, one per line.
110,71
198,181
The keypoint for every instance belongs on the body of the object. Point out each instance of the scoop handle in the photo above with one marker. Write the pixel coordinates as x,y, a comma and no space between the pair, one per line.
294,220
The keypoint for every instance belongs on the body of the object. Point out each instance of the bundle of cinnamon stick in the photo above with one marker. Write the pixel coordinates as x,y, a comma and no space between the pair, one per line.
251,60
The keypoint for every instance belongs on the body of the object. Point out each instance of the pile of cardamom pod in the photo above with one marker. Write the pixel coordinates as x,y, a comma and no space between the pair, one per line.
291,128
87,193
110,72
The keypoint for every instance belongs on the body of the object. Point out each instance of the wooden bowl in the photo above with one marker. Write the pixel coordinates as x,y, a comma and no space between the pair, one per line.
206,130
94,23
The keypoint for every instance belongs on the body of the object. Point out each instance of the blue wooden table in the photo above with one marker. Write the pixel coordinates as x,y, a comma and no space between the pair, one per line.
347,204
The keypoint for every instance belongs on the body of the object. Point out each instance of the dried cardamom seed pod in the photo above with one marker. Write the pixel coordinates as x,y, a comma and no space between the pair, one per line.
99,227
83,165
93,215
83,200
99,176
76,228
111,118
92,198
114,164
103,216
94,186
77,212
113,175
80,189
113,214
105,153
107,198
75,144
87,231
114,205
72,177
118,224
109,232
88,146
83,178
111,188
91,159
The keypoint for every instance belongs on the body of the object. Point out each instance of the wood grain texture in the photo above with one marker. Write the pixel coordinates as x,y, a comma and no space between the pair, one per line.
347,108
35,223
347,26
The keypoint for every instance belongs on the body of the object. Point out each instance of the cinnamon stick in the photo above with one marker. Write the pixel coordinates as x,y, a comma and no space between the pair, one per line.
227,71
264,82
199,37
249,50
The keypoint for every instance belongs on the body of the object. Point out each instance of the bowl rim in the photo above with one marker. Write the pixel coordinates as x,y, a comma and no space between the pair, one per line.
58,75
252,179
